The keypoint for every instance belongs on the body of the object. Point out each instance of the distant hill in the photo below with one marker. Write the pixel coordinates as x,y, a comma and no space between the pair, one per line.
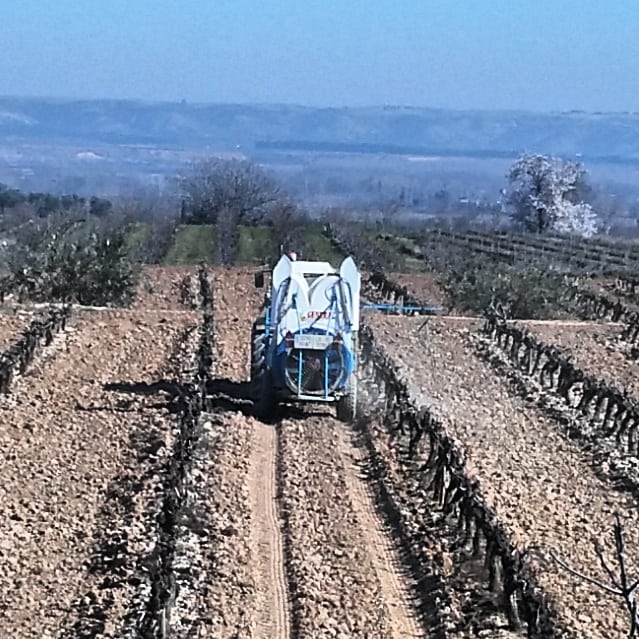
610,137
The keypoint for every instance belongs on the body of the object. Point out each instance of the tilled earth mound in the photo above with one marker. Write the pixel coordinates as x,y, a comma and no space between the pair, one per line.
163,287
215,558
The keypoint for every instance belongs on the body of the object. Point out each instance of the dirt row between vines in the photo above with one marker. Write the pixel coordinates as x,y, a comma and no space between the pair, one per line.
542,486
334,570
81,468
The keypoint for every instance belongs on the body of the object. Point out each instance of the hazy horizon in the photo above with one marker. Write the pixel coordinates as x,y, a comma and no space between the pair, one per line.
492,56
89,98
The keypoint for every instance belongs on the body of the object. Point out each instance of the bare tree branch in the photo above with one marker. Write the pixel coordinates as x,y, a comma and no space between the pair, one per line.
605,566
591,580
622,588
217,185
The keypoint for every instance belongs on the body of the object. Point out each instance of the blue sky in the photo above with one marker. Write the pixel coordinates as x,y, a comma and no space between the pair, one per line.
522,54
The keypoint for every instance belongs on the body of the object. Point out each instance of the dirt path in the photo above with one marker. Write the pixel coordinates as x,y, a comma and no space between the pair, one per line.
271,605
237,303
324,564
343,571
393,579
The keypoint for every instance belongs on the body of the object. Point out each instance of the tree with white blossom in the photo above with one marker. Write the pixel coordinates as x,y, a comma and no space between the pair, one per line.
547,195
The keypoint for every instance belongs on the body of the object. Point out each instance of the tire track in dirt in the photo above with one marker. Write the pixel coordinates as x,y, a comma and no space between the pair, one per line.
252,583
272,607
344,574
393,579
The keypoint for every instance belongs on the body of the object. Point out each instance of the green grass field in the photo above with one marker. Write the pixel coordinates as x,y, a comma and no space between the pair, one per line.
196,243
192,244
255,246
320,247
136,236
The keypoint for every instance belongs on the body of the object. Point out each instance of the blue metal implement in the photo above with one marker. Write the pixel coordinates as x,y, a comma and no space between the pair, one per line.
403,309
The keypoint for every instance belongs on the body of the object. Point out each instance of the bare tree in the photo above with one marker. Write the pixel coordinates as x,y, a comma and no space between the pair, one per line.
228,236
288,231
217,185
620,584
150,219
547,194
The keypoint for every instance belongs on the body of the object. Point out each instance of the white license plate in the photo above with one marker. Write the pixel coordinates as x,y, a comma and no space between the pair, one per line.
313,342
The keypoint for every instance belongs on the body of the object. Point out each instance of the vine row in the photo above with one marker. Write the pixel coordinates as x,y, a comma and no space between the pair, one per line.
189,404
609,411
20,355
458,495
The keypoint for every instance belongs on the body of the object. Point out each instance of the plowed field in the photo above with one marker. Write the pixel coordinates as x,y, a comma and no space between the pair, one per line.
541,484
70,449
118,522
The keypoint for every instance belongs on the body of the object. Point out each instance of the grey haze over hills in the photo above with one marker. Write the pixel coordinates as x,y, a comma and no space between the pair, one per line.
112,145
391,129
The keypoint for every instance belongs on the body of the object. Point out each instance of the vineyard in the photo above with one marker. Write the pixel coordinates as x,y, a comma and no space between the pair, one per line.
476,495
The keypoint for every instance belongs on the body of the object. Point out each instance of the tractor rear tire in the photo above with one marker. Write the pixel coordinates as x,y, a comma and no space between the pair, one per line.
266,403
258,361
262,390
347,403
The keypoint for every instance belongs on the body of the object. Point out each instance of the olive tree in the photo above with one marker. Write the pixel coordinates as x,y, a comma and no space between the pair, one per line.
547,194
71,259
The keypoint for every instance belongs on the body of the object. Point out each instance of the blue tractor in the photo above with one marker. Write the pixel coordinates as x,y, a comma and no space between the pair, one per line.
304,343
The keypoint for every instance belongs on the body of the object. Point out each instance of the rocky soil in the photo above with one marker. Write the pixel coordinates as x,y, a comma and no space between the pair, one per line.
12,323
542,486
596,349
341,586
78,470
215,557
422,285
237,304
161,287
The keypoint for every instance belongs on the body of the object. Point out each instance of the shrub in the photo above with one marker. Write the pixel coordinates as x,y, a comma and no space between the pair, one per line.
72,260
531,292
